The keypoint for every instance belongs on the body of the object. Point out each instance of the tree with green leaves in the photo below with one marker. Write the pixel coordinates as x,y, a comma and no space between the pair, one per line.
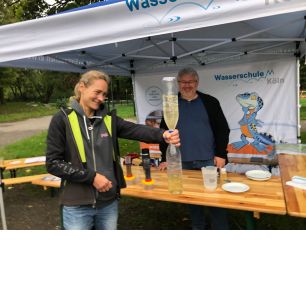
64,5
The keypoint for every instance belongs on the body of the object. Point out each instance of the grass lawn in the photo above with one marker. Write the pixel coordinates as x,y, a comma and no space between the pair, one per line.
11,111
303,108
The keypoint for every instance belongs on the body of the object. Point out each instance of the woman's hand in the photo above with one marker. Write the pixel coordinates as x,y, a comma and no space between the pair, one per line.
173,137
102,183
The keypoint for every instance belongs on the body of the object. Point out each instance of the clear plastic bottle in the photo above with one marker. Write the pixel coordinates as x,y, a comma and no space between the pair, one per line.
174,170
170,102
223,176
173,154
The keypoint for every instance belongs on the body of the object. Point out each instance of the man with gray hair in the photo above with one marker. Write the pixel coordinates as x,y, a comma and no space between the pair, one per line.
204,135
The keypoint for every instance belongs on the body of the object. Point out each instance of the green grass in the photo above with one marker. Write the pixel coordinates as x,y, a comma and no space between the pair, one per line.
16,111
32,146
303,109
125,111
12,111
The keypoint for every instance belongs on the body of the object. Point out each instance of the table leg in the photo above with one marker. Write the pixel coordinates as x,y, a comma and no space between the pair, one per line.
250,221
13,173
61,217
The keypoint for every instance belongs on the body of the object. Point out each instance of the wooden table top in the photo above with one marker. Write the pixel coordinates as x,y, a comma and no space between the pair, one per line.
48,180
263,196
291,165
19,163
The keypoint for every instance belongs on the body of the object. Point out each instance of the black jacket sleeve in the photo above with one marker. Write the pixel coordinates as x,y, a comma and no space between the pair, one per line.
163,146
140,132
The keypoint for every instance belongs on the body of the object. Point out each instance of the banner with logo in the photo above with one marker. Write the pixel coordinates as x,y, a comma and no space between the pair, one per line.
258,100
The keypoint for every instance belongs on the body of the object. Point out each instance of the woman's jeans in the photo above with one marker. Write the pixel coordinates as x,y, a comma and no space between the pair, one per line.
218,216
86,217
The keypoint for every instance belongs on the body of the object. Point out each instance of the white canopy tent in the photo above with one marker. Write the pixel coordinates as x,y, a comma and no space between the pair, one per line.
139,37
123,37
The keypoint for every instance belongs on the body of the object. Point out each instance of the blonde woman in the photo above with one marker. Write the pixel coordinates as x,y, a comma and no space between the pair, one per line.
83,150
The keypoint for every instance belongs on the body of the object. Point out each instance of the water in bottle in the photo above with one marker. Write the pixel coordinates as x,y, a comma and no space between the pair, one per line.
173,154
223,176
170,102
174,170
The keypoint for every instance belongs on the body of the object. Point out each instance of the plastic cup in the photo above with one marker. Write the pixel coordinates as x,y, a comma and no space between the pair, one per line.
210,177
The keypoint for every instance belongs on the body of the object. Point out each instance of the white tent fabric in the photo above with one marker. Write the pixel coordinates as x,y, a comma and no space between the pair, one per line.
122,37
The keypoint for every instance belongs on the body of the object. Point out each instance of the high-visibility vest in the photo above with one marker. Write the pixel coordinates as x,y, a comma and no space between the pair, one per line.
76,130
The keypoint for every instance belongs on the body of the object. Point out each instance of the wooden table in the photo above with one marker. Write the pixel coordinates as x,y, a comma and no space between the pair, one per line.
291,165
265,197
13,164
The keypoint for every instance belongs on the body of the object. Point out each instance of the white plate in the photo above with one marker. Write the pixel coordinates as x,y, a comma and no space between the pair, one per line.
258,175
235,187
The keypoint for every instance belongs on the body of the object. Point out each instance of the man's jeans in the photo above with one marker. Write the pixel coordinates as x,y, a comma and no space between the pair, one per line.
86,217
218,216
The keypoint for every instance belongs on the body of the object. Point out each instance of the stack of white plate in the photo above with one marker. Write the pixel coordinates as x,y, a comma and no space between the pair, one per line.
258,175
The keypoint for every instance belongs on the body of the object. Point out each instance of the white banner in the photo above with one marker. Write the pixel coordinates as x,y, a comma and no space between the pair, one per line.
258,100
117,21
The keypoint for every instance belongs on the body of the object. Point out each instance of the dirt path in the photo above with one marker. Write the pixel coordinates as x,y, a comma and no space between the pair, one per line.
11,132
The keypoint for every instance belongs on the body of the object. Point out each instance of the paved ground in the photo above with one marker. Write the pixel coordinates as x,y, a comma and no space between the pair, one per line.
14,131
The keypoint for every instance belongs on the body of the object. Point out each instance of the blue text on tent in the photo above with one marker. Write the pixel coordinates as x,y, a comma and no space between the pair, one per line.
244,76
131,4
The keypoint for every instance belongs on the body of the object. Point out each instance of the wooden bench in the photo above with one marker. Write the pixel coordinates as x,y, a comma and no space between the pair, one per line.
22,179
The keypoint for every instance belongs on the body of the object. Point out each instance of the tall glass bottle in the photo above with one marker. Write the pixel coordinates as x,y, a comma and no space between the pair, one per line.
173,154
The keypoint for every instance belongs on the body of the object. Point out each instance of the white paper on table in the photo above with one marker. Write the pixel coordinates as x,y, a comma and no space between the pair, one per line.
51,178
35,159
297,185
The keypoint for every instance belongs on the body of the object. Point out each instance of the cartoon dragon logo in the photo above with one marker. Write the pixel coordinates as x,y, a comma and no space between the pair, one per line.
251,104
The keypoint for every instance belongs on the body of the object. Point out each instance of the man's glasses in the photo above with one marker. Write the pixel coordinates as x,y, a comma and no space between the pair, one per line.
187,82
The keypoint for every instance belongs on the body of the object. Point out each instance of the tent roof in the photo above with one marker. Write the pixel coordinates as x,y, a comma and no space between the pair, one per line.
112,37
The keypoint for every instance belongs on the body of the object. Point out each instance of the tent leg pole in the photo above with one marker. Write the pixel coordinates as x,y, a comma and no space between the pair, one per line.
2,210
298,100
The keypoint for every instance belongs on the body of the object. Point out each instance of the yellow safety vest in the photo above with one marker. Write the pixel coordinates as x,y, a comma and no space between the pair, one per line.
76,130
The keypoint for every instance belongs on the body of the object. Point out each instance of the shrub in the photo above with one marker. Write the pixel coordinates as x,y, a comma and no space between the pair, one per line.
61,102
